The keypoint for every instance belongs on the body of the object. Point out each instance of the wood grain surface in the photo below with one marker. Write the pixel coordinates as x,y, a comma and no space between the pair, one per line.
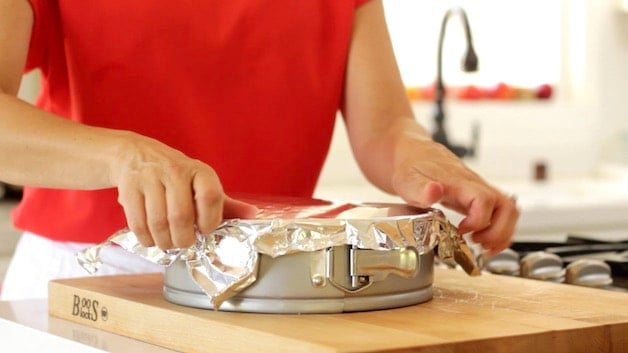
489,313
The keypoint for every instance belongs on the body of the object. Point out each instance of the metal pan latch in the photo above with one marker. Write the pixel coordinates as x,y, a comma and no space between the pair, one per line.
351,269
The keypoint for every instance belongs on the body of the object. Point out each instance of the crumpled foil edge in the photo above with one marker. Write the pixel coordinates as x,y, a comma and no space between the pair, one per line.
224,262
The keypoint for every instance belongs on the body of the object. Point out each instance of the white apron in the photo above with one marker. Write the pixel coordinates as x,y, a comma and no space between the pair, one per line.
37,260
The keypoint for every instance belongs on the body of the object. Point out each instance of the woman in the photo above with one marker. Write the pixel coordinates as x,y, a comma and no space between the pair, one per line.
152,113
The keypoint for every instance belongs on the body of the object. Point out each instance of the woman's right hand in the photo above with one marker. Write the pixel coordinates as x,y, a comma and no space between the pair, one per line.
166,194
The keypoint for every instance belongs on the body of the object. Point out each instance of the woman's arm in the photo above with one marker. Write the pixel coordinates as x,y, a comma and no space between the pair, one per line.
397,154
163,192
39,148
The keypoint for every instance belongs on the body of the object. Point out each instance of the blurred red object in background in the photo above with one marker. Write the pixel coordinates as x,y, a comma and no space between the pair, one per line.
414,93
428,92
544,91
471,92
502,91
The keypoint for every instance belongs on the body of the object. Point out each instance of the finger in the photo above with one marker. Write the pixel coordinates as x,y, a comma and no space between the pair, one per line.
181,214
233,208
157,213
478,206
132,202
498,236
208,198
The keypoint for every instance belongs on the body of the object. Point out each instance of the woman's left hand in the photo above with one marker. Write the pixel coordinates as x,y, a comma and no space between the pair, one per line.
432,174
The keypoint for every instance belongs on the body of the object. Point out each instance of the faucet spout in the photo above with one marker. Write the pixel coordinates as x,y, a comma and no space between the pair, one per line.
469,64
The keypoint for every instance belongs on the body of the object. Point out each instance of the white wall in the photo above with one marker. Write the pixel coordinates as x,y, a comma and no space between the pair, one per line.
609,45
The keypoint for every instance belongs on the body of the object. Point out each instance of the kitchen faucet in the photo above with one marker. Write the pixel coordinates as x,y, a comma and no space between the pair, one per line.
469,64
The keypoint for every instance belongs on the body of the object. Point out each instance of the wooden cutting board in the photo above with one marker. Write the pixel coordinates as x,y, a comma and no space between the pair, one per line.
468,314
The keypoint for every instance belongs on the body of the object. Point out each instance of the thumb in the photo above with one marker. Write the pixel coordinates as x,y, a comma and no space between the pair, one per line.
419,190
233,208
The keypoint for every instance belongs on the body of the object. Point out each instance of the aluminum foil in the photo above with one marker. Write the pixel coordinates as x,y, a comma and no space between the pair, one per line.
224,262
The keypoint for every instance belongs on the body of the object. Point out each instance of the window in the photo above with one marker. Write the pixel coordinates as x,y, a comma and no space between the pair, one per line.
517,42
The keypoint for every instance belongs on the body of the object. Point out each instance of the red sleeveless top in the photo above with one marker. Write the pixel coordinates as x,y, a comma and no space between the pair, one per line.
250,87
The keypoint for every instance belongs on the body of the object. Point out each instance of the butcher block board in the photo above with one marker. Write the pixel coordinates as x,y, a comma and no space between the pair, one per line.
489,313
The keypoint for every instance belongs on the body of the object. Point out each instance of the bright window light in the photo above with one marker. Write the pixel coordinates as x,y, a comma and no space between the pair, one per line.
517,42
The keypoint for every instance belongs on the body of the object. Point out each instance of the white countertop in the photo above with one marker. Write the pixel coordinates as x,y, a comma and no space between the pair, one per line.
25,327
549,210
